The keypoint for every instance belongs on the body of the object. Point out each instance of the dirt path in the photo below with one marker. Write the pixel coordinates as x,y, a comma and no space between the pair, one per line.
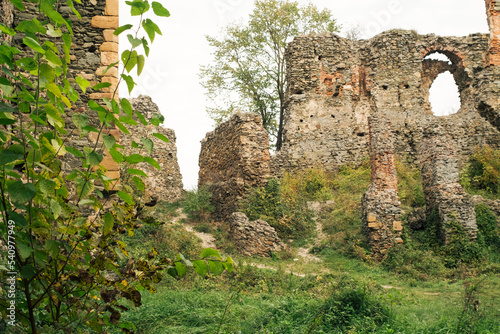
207,240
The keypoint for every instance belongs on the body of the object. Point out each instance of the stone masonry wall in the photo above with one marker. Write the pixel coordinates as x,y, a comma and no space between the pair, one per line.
331,81
493,15
233,158
253,238
380,203
443,194
163,184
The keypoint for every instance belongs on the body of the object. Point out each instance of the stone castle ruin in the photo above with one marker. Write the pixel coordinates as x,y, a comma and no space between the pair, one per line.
350,99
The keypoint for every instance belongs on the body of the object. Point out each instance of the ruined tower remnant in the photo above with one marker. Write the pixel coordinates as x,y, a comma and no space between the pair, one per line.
444,196
380,203
233,158
163,184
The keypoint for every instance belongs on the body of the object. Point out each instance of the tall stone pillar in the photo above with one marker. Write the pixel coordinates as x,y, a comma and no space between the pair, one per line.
381,205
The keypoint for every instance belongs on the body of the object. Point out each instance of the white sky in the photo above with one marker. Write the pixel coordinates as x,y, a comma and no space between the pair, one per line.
170,76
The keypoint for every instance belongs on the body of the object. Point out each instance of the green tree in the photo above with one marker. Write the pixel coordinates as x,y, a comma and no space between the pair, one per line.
248,71
67,271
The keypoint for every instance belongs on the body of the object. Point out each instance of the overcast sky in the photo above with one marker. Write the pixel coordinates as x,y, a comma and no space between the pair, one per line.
170,76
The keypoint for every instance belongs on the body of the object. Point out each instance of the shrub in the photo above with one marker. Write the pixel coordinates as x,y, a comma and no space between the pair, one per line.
410,189
284,210
197,204
482,172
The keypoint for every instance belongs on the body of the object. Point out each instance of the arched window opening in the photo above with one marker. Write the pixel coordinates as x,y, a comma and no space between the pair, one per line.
444,95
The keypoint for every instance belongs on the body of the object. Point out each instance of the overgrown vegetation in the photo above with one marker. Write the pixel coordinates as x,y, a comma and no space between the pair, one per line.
196,204
481,175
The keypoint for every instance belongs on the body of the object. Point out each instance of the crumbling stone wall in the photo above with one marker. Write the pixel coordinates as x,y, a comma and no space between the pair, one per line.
163,184
443,194
253,238
233,158
380,203
493,15
331,81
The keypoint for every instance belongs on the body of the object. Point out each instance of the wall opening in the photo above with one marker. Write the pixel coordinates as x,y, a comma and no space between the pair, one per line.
444,95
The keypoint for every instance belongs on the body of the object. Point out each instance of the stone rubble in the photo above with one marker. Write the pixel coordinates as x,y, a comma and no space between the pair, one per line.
255,238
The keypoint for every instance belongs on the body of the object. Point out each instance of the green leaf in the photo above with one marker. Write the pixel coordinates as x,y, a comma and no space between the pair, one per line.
128,120
148,144
134,171
145,46
7,30
52,247
54,89
33,44
47,186
140,64
18,3
201,267
139,183
159,10
130,61
157,119
141,118
208,252
161,137
53,116
95,106
138,7
67,46
152,162
135,42
120,126
134,158
7,157
55,208
7,118
109,221
82,83
117,156
216,267
101,85
94,158
84,188
228,264
121,29
53,32
181,268
53,58
22,192
127,107
126,197
80,120
151,29
129,81
109,141
74,151
4,107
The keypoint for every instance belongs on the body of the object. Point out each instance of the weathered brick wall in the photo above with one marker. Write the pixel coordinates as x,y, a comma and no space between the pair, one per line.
163,184
253,238
233,158
380,203
331,80
440,174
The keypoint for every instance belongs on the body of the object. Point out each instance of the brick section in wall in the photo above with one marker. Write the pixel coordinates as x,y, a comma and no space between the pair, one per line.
493,15
444,196
109,55
233,158
380,203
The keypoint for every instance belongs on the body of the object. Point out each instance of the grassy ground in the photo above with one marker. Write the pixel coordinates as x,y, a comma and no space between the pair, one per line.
421,287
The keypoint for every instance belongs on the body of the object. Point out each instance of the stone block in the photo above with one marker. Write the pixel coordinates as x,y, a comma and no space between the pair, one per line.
375,225
397,226
371,217
112,71
109,47
108,58
109,36
112,8
105,22
100,96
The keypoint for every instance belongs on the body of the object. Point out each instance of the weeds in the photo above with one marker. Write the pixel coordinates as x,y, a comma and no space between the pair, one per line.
197,205
481,175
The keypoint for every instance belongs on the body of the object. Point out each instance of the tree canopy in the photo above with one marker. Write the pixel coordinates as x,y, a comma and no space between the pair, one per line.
248,69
